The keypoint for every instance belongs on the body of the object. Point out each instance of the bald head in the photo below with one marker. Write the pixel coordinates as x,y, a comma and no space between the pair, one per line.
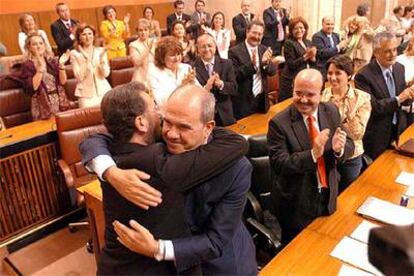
195,99
183,129
328,24
307,91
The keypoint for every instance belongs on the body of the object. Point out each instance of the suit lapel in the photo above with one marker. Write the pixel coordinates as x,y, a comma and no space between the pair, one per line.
380,78
217,66
202,74
323,118
398,78
299,128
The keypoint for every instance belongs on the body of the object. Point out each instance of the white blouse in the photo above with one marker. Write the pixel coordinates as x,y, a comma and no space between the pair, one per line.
408,62
22,40
162,82
222,38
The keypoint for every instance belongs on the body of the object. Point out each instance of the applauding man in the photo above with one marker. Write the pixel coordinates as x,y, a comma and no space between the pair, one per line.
306,141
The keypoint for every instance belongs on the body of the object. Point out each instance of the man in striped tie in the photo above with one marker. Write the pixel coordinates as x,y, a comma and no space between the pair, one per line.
252,64
306,142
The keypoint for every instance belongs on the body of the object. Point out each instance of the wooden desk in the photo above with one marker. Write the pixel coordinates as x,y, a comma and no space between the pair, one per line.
308,253
30,189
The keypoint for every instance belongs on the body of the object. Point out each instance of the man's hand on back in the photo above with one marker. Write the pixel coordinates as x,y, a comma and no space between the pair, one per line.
130,184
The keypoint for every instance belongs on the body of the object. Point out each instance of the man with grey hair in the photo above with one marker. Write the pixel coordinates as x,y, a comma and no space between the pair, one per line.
242,20
383,78
327,43
220,243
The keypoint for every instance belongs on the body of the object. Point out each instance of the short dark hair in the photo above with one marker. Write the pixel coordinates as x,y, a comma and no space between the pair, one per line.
343,63
148,8
214,16
120,106
199,1
293,22
407,9
255,23
178,2
362,9
106,9
397,9
166,44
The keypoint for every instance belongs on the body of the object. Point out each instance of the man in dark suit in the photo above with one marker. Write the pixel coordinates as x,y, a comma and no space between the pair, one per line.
252,63
130,115
217,76
305,144
63,29
327,44
178,15
199,19
383,78
220,241
275,19
242,20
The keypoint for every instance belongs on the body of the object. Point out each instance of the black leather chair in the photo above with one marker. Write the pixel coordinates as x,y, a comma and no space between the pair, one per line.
263,225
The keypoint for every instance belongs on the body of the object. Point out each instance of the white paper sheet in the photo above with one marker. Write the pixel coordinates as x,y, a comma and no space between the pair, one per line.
347,270
361,233
405,178
386,212
355,253
410,192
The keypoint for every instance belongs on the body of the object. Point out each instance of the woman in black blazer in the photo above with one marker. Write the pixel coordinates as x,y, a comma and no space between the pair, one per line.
299,54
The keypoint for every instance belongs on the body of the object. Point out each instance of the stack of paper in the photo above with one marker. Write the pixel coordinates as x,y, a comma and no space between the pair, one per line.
405,178
355,253
347,270
386,212
361,233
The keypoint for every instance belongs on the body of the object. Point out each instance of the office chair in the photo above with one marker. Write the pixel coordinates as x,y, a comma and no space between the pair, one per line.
263,225
73,127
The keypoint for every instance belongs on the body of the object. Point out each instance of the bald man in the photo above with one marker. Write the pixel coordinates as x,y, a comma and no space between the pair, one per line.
305,143
327,43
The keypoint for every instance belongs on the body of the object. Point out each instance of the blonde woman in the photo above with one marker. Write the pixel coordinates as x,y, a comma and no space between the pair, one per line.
90,66
43,78
142,51
360,36
155,30
28,26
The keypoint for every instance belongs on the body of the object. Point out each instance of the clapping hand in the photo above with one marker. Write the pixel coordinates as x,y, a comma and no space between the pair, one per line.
189,77
320,142
127,17
64,58
267,56
210,83
338,140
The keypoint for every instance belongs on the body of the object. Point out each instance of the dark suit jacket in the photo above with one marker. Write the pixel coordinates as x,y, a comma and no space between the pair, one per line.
61,35
295,187
271,30
295,62
221,239
172,18
239,26
321,41
379,129
244,103
224,68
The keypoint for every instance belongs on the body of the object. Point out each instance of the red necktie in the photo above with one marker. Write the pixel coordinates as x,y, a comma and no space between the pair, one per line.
320,162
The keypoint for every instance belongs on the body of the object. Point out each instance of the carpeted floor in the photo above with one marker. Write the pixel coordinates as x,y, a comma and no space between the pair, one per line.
61,253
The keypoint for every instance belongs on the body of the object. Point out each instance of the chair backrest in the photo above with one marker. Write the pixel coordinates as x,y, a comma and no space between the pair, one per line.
122,70
14,103
73,127
262,173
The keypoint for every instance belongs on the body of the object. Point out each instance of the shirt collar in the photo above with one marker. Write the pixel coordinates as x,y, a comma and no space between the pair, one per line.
384,69
66,21
249,47
314,114
208,62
